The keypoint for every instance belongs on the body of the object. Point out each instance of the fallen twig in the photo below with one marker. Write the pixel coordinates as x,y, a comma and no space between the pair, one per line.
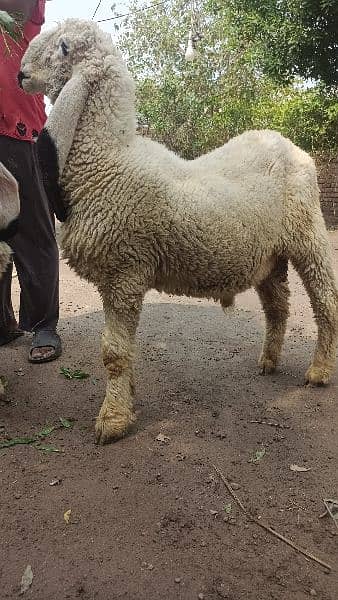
266,527
294,546
230,490
328,511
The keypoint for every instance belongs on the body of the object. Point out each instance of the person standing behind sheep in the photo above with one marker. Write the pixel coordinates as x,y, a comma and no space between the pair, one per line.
34,246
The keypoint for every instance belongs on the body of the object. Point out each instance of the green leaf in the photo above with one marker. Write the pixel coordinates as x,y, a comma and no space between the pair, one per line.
228,508
46,431
80,375
9,25
66,372
65,423
44,448
17,442
36,439
73,374
258,456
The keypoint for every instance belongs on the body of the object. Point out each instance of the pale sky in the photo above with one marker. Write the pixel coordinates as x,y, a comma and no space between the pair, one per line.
57,10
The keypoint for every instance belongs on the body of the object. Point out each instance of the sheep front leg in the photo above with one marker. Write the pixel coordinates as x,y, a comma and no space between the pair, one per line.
118,341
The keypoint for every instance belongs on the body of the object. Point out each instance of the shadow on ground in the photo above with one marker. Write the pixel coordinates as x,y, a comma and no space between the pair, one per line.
149,519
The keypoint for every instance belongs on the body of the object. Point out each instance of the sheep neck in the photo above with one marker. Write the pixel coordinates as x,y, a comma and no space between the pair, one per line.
108,116
102,111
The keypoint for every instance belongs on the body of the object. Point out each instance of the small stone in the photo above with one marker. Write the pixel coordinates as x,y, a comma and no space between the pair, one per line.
17,496
235,486
313,592
200,596
150,567
178,579
214,513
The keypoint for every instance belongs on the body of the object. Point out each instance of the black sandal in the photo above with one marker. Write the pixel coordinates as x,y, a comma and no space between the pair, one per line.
42,339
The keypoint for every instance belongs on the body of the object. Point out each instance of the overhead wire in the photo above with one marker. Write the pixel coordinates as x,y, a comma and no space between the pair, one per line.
96,9
130,13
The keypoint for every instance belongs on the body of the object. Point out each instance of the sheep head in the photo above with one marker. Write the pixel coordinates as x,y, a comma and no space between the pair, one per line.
54,56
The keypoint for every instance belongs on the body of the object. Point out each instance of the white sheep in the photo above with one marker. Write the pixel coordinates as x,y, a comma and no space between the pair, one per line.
9,212
140,217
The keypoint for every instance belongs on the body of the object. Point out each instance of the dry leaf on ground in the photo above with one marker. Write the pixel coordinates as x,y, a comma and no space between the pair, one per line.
299,469
66,515
26,580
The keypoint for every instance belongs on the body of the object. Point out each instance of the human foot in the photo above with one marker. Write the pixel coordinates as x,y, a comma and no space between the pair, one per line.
46,346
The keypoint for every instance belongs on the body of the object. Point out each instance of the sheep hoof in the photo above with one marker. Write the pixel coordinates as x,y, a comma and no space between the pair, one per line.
267,366
111,428
228,303
317,376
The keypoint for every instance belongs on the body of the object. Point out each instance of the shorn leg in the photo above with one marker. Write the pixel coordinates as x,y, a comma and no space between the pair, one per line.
118,340
314,265
274,295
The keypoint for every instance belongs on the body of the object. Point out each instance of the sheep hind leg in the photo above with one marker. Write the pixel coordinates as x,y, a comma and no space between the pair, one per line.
274,295
314,266
116,415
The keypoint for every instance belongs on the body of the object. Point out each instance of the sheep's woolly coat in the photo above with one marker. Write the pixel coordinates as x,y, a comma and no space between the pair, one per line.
9,211
140,217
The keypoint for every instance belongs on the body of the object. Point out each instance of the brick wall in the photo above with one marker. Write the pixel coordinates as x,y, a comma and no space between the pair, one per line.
328,184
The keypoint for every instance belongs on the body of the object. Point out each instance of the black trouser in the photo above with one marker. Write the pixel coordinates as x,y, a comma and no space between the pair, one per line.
36,255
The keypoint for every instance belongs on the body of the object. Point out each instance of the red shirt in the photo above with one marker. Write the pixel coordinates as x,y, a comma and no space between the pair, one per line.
21,116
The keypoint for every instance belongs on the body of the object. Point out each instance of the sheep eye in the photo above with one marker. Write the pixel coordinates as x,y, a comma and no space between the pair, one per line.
64,48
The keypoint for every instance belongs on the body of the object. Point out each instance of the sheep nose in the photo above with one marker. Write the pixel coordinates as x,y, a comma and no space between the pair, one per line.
21,77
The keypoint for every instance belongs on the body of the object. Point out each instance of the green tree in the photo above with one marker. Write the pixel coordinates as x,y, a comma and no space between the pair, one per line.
289,37
194,107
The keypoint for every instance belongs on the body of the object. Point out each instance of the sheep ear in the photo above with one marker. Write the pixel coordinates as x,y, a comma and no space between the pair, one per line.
63,48
64,116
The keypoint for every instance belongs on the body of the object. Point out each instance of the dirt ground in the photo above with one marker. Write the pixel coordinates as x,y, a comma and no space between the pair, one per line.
150,518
